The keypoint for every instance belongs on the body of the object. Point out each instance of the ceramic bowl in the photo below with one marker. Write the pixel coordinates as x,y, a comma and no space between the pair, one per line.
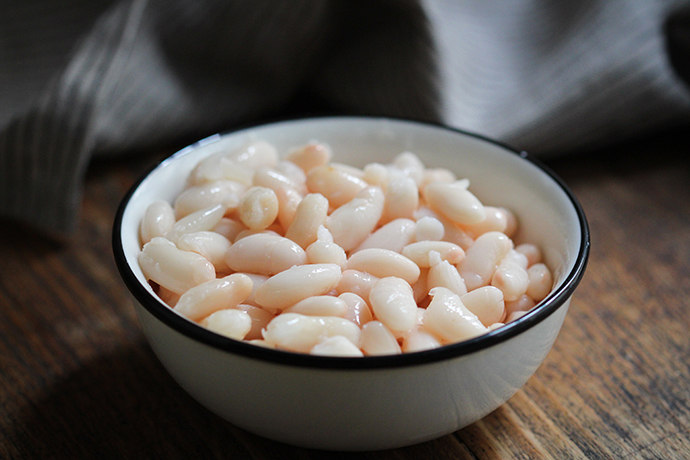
370,403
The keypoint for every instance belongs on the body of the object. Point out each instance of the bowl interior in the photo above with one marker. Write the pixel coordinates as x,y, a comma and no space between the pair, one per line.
548,214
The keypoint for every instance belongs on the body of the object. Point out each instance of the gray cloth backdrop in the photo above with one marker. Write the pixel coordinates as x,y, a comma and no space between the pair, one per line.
106,77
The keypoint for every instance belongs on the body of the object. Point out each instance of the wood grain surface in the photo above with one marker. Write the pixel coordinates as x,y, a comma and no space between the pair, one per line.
78,380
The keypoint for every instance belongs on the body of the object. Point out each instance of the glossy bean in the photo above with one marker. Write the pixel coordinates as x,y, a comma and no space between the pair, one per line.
429,229
394,236
337,185
310,156
202,220
419,252
325,251
419,339
351,223
320,305
540,281
524,303
443,274
511,278
337,346
297,283
357,282
310,214
401,199
259,320
358,310
455,202
258,208
232,323
487,303
392,302
378,340
496,221
158,220
295,332
213,295
265,254
195,198
482,259
213,246
383,263
447,317
410,165
531,252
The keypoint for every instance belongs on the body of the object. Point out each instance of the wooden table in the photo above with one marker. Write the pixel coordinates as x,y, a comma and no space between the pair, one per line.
78,380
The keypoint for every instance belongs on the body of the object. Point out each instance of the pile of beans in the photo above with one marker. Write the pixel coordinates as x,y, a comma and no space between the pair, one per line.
312,256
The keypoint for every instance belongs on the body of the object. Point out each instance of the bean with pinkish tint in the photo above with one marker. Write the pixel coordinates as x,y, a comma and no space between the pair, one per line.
319,305
436,175
337,185
376,174
540,281
496,221
265,254
358,310
199,197
202,220
443,274
235,324
392,302
454,201
378,340
325,251
336,346
482,259
158,220
310,214
450,320
258,208
295,332
429,229
213,295
260,319
229,228
297,283
487,303
410,165
310,156
351,223
524,303
394,236
172,268
383,263
511,278
211,245
357,282
530,251
419,339
419,252
401,199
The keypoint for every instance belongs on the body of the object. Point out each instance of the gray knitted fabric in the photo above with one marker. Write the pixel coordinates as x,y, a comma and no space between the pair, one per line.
79,78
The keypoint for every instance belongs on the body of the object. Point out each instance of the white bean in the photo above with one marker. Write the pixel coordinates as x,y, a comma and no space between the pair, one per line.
174,269
482,259
449,319
376,174
325,251
487,303
419,252
257,281
336,346
265,254
419,339
517,257
235,324
195,198
357,282
220,166
410,165
451,232
260,319
515,315
213,295
443,274
229,228
455,202
511,278
393,236
337,185
319,305
530,251
524,303
288,201
377,340
310,214
401,199
351,223
429,229
300,333
540,281
383,263
256,154
270,178
159,218
213,246
202,220
296,283
258,208
310,156
358,310
511,223
392,302
436,175
496,221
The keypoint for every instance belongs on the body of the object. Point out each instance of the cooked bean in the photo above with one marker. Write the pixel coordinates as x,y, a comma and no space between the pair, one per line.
455,202
259,317
419,339
377,340
229,228
257,281
449,319
540,281
383,263
336,346
202,220
265,254
393,304
487,303
235,324
310,214
436,175
319,305
419,252
358,310
195,198
443,274
158,220
511,278
213,295
401,199
310,156
295,332
410,165
530,251
337,185
351,223
482,259
258,208
296,283
176,270
325,251
357,282
429,229
213,246
496,221
394,236
376,174
524,303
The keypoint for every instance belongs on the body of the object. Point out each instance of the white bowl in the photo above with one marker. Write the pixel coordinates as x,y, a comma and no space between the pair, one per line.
369,403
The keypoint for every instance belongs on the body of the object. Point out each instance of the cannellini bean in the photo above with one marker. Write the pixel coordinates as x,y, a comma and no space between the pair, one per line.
419,339
401,199
292,331
515,315
336,346
199,197
257,281
524,303
169,297
436,175
213,295
443,274
265,254
496,221
511,223
256,154
297,283
174,269
517,257
288,201
310,214
451,232
511,278
351,223
235,324
229,228
258,208
377,340
310,156
159,218
245,233
449,319
383,263
211,245
220,166
337,185
455,202
540,281
487,303
429,229
482,259
325,251
270,178
392,302
199,221
419,252
530,251
319,305
296,175
358,310
376,174
259,317
410,165
393,236
357,282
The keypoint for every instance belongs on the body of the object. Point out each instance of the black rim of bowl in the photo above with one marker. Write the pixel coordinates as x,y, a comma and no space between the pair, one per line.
548,306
